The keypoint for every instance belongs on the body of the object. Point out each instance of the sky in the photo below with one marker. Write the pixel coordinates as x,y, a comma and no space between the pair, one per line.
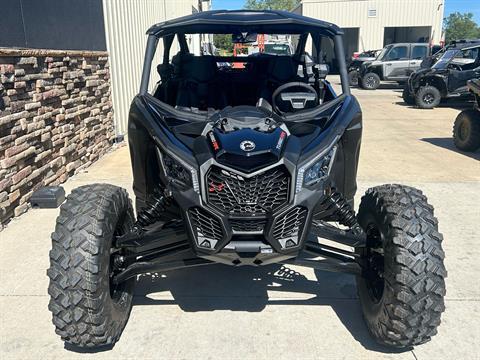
461,6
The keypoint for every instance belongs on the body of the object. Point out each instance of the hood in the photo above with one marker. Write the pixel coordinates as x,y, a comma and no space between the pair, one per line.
247,138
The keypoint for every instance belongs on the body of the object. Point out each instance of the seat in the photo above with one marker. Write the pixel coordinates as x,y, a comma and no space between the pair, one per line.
170,76
199,85
280,70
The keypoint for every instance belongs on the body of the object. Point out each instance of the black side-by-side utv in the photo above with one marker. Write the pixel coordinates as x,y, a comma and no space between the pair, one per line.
253,165
447,78
466,129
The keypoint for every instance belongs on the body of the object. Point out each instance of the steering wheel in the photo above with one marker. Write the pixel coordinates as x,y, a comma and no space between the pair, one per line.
455,67
295,100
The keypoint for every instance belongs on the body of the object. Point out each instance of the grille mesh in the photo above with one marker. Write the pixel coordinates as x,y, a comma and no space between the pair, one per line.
205,227
248,225
259,194
288,228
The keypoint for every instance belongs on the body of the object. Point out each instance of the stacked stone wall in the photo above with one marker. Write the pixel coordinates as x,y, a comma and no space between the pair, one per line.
56,117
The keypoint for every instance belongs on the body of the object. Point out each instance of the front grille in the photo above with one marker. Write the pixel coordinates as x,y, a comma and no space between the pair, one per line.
288,228
206,228
248,225
235,194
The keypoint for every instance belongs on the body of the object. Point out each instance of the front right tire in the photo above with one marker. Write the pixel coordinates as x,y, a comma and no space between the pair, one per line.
402,288
466,130
88,310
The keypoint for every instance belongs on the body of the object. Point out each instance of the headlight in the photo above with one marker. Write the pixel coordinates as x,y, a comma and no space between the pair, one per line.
179,172
315,170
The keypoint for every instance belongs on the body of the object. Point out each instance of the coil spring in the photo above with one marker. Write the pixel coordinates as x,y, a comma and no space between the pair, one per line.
154,207
342,209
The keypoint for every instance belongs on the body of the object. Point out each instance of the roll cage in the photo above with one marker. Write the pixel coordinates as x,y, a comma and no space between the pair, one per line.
243,21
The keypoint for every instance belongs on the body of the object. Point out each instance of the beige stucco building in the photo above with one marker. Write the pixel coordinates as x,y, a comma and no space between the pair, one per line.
126,23
372,24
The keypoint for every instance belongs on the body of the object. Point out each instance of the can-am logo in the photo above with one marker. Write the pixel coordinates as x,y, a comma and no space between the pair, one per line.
247,145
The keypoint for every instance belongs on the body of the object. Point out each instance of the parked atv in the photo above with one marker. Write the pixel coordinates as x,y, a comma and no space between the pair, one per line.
447,79
356,63
394,63
245,166
466,130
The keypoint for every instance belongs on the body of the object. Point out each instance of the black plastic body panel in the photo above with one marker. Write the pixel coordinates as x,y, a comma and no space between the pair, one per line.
148,133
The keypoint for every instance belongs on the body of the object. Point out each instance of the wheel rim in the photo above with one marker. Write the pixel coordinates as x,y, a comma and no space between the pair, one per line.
374,264
370,82
428,99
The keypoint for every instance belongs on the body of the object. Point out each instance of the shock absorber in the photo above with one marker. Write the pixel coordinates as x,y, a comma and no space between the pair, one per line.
339,207
154,207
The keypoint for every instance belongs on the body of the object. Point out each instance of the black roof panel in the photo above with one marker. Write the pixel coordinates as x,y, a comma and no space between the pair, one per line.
230,21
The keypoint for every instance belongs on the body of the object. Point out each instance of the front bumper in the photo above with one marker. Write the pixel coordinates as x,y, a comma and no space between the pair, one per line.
266,215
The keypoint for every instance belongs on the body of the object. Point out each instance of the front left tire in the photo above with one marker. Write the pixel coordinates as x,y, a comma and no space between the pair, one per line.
370,81
402,288
428,97
88,310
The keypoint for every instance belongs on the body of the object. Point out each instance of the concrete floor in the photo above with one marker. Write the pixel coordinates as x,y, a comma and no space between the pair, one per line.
222,312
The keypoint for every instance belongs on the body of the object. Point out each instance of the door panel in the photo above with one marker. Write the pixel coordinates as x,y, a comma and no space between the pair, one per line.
397,63
419,53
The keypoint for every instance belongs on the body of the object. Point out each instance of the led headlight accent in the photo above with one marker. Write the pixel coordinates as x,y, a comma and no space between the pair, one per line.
179,171
315,170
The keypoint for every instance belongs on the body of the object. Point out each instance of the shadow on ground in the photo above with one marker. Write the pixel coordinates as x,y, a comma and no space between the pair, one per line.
458,105
447,143
220,287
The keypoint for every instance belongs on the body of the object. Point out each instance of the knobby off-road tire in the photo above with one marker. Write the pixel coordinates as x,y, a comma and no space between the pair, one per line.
402,290
87,310
370,81
353,78
407,97
466,130
428,97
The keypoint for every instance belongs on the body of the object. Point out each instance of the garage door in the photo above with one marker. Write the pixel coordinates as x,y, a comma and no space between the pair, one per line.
350,40
419,34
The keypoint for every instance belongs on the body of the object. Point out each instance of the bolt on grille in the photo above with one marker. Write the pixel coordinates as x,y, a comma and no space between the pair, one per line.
206,228
288,228
260,194
248,225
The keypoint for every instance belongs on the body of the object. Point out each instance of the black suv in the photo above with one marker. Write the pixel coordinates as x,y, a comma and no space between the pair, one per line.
245,166
447,78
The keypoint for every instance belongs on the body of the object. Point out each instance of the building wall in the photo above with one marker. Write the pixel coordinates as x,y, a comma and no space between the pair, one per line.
389,13
52,24
55,118
126,23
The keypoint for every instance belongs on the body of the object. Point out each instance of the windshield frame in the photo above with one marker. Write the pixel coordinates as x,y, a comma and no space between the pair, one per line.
449,56
384,52
153,42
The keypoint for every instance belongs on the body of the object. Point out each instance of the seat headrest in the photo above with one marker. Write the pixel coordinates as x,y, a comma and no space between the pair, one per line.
180,60
201,68
282,68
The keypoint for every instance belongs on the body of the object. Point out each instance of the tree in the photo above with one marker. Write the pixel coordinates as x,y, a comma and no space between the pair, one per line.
460,26
271,4
223,42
